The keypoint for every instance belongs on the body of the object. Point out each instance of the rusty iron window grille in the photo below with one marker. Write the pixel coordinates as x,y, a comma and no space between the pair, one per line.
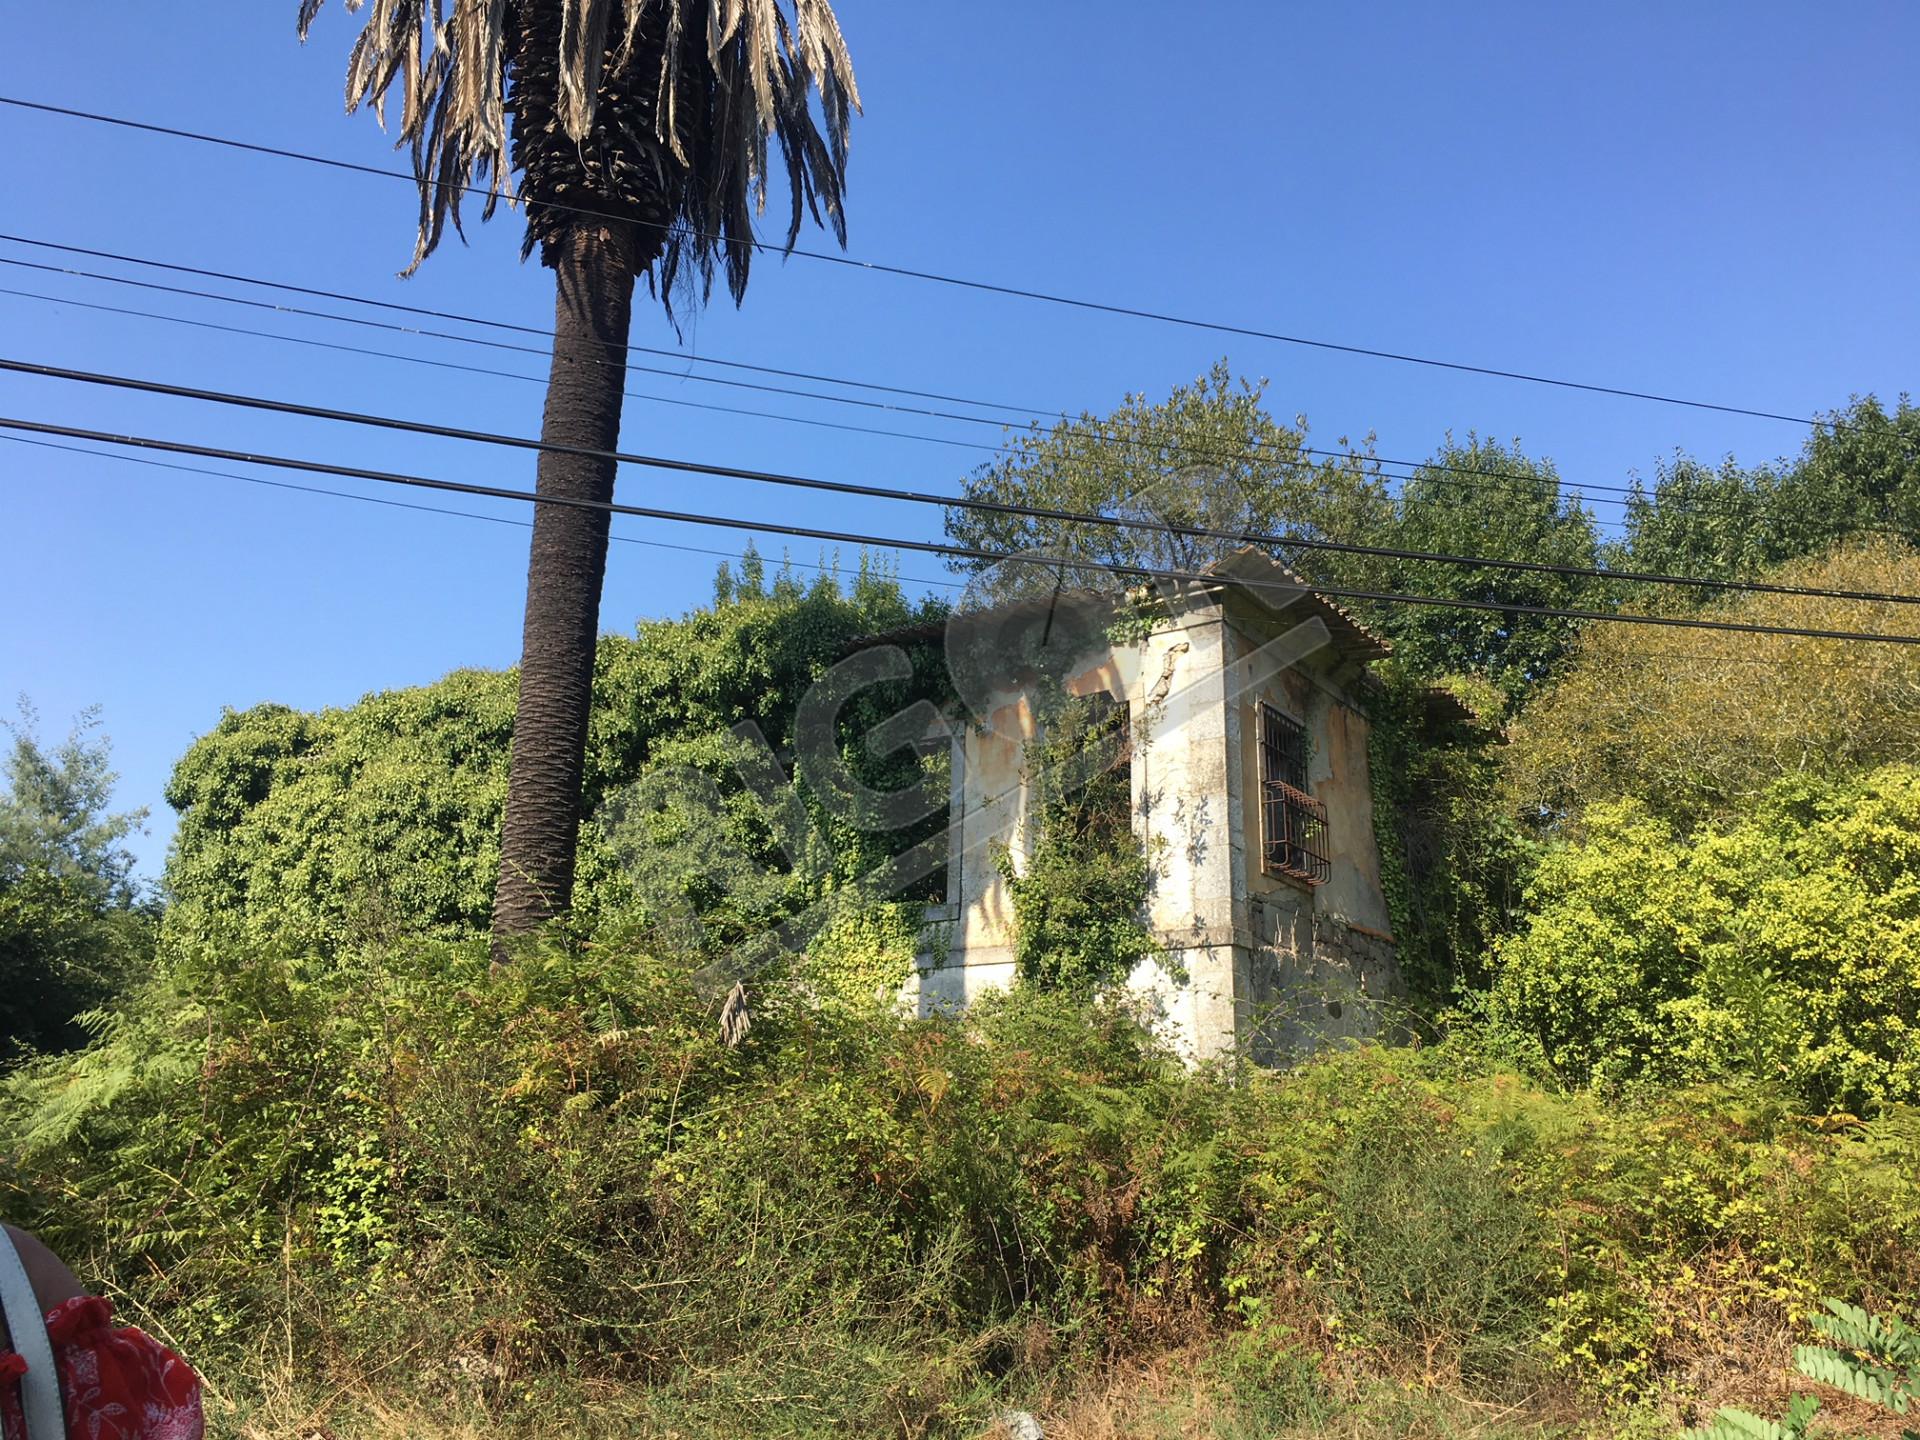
1293,825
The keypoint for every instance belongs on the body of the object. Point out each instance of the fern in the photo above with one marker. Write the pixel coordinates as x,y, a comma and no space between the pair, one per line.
1874,1358
1736,1424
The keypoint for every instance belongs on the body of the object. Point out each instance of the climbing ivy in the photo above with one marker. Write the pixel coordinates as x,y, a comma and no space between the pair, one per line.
1453,863
1079,901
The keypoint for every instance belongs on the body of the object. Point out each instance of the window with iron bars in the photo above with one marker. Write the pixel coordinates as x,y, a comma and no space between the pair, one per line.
1293,825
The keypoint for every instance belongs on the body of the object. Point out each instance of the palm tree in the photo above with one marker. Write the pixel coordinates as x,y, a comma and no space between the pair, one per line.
638,133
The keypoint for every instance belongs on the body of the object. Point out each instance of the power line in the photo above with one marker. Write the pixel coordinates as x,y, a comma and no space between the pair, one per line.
960,282
1541,484
1036,412
428,313
1056,563
881,492
437,509
471,369
1101,435
1691,657
981,447
501,344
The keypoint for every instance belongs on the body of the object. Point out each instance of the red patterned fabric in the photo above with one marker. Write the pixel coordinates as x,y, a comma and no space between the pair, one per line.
118,1382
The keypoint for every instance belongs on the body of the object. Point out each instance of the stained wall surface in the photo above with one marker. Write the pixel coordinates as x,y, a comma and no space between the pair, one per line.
1254,959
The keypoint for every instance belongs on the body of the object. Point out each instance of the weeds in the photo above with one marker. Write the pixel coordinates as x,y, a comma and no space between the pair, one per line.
393,1190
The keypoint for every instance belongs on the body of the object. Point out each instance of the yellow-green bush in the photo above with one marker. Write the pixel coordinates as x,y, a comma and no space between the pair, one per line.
1697,724
1785,947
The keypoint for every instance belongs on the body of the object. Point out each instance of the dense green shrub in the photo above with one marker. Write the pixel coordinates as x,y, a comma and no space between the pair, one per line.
1785,947
356,825
63,954
1438,1251
1453,861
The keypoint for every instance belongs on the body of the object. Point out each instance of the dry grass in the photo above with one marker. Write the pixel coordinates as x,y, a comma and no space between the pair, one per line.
1188,1393
1751,1367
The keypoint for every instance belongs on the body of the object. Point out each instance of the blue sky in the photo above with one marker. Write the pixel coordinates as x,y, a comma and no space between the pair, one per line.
1714,200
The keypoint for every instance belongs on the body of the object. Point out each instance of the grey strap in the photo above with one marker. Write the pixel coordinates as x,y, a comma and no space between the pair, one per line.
40,1386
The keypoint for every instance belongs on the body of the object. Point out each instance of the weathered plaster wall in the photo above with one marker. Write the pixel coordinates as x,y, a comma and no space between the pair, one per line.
1249,957
969,946
1186,787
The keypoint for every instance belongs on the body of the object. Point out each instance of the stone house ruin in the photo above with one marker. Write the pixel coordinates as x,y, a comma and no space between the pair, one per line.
1242,707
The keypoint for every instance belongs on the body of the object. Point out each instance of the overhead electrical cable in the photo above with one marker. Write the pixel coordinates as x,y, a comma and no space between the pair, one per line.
960,282
1283,541
1052,563
484,322
543,352
367,352
437,509
428,361
1432,468
1031,411
921,497
881,492
147,460
345,297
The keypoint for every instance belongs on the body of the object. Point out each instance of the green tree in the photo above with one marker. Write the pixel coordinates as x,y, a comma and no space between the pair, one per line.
73,932
1698,520
1487,498
1209,456
318,831
1857,475
637,136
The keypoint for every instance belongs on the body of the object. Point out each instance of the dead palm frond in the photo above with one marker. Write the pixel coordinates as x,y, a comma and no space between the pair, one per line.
659,114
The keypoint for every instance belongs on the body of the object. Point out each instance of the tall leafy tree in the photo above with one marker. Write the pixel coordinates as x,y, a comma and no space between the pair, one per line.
638,136
1207,456
1857,475
72,929
1482,497
1697,520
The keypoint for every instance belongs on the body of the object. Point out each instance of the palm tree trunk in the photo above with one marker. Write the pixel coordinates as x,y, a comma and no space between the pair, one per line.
594,269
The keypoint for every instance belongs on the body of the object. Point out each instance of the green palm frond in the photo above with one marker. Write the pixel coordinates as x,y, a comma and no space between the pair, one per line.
1871,1383
1886,1336
659,114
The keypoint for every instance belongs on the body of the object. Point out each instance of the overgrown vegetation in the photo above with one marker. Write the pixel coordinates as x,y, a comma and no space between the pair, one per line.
1698,725
1079,891
1871,1358
1658,900
346,826
557,1186
1786,946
